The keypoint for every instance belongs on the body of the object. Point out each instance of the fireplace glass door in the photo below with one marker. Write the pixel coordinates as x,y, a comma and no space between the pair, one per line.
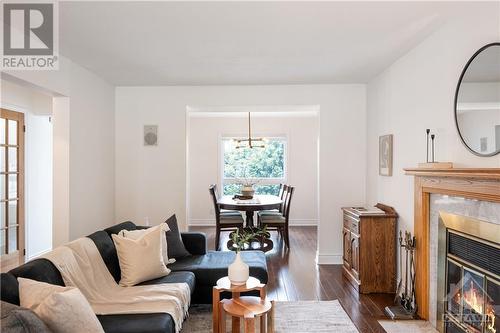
454,288
473,299
492,320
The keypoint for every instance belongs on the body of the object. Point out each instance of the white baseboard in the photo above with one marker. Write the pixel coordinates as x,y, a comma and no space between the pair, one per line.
202,222
33,256
328,259
293,222
304,222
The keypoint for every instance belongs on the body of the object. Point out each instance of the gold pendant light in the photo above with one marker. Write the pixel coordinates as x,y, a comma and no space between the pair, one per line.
250,142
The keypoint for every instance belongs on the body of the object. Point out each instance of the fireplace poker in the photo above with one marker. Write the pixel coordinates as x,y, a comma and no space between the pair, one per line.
405,295
413,275
399,289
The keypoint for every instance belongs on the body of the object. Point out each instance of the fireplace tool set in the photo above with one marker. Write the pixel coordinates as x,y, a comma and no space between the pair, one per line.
406,304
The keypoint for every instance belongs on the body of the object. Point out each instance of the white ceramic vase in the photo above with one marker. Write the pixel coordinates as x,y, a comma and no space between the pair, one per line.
238,272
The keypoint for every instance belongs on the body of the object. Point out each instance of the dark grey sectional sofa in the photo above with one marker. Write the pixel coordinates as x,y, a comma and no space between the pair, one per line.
200,271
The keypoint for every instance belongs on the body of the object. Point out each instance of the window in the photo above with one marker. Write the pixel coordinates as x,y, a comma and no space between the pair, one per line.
264,166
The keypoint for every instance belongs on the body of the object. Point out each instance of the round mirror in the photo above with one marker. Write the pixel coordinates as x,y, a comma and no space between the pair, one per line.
477,102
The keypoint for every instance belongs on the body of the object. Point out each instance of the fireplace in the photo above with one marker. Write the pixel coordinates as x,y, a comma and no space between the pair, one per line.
468,275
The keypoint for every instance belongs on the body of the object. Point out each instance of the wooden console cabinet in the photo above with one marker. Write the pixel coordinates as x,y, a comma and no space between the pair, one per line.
369,250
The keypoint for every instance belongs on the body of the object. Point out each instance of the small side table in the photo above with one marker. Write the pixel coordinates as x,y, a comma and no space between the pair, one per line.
247,308
224,284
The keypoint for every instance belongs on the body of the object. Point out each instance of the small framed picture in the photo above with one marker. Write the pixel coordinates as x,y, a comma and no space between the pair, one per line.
385,155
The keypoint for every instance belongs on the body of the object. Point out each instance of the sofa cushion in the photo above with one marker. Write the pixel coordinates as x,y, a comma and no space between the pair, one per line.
213,265
9,288
141,259
195,242
107,249
15,319
176,248
39,269
63,309
119,227
138,323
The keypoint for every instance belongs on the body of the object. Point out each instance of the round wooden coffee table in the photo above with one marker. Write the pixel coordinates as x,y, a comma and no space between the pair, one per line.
247,308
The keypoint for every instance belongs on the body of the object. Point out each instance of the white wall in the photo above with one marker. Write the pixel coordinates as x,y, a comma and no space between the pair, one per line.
415,93
38,185
38,163
151,181
204,156
60,165
85,185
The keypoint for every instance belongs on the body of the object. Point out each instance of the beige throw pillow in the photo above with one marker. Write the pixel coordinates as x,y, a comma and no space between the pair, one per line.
136,234
141,259
62,309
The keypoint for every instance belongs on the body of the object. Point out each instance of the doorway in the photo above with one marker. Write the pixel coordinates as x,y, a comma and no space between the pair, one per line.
12,248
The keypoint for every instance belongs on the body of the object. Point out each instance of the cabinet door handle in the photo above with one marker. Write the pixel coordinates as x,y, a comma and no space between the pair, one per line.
352,242
345,245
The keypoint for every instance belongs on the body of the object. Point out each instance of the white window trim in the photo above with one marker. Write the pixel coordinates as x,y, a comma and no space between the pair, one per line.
262,181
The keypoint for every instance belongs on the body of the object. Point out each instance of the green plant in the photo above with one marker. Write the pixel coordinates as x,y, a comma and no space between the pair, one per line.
242,237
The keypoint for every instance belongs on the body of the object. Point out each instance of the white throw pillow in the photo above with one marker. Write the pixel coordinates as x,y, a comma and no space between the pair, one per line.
141,259
136,234
63,309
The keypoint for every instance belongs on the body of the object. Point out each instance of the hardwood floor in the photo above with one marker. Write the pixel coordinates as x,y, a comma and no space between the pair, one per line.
294,275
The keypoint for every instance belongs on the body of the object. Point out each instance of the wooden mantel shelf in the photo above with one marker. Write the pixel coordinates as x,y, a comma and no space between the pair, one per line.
478,173
473,183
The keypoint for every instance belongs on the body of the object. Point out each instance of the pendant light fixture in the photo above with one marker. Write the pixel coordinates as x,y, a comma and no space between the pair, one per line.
250,142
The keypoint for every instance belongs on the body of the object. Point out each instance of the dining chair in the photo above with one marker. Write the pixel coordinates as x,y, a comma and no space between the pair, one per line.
279,222
276,212
281,194
224,220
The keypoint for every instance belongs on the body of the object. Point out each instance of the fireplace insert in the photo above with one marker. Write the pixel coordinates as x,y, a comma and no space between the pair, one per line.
472,301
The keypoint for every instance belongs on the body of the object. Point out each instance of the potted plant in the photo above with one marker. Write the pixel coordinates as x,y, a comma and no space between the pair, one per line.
247,185
238,272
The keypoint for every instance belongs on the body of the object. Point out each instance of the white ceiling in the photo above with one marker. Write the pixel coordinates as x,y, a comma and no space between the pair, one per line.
219,43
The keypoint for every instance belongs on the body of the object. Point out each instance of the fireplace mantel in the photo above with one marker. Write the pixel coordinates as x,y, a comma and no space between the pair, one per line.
476,173
473,183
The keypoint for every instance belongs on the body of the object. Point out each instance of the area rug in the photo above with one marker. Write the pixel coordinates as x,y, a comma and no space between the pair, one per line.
290,317
410,326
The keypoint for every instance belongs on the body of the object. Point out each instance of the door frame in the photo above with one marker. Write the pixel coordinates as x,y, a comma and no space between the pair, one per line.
11,260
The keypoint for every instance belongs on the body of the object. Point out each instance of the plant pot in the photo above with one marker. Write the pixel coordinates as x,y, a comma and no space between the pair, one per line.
247,191
238,271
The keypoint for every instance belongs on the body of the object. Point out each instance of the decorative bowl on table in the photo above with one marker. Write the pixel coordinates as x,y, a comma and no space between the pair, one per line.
247,191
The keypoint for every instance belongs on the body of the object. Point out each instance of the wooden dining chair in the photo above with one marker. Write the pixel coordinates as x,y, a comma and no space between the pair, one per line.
281,194
224,220
279,222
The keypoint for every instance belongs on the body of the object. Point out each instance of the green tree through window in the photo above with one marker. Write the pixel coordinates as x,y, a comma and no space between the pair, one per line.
264,165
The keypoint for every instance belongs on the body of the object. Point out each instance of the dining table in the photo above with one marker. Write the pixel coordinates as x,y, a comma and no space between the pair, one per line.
249,206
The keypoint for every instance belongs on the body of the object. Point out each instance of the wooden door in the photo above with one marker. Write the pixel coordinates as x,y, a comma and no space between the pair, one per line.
355,255
347,248
11,189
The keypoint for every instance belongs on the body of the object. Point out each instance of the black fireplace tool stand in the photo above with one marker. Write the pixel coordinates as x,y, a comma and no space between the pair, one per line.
405,307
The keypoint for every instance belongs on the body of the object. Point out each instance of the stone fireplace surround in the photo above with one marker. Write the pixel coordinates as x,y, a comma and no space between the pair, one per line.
471,192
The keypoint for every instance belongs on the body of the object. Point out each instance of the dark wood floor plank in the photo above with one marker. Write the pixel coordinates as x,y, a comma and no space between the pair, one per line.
294,275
